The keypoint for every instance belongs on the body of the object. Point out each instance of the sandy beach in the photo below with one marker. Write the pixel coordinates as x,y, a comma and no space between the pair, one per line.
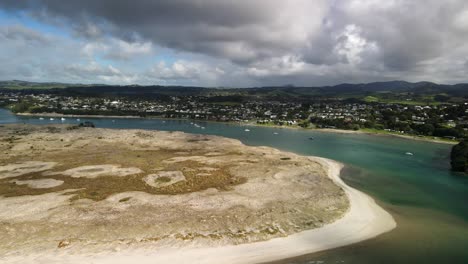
343,131
364,220
412,137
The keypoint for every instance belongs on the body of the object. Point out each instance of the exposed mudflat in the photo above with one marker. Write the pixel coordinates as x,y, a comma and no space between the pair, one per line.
76,190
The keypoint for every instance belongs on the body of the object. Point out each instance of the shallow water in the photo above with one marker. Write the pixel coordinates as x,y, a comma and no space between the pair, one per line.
429,203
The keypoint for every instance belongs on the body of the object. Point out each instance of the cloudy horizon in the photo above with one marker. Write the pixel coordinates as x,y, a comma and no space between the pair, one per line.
234,43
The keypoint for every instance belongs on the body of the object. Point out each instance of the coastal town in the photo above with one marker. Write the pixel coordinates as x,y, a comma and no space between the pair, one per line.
442,120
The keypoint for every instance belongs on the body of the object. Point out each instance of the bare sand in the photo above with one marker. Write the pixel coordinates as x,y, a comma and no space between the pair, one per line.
39,184
364,220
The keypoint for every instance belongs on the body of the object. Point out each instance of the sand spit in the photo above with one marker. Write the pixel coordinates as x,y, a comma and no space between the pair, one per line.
242,205
364,220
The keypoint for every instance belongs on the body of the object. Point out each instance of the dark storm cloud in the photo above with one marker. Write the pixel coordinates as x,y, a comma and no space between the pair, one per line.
242,31
312,42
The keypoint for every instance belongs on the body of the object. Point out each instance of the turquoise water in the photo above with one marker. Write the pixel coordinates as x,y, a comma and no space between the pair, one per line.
429,203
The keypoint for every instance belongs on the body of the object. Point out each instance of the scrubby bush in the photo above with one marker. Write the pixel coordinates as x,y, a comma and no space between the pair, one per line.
459,157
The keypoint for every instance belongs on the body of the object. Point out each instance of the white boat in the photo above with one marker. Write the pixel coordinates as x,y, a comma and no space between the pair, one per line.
202,127
276,133
41,118
246,130
409,153
78,119
63,119
51,119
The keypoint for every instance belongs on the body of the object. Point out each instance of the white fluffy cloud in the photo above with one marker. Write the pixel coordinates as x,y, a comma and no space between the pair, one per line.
117,49
184,72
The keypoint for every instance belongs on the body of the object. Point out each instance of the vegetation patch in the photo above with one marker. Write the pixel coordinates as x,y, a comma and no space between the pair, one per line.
163,179
126,199
85,170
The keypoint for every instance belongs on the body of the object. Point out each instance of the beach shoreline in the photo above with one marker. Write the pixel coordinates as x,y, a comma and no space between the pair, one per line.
410,137
364,220
363,132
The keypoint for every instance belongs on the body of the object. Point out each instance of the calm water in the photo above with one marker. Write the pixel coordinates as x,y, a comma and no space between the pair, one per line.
429,202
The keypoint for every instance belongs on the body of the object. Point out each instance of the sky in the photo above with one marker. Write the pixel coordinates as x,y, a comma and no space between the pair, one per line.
225,43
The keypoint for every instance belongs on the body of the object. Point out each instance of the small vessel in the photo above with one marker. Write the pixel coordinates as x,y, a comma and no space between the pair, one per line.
51,119
246,130
41,118
275,133
311,138
63,119
409,153
78,119
202,127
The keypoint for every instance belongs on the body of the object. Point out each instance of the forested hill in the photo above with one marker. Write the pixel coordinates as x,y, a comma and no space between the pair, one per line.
392,92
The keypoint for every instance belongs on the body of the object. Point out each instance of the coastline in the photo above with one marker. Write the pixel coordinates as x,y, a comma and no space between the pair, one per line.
410,137
364,220
343,131
73,116
322,130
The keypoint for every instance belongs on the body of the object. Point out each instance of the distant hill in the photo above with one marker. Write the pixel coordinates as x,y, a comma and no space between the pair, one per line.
392,91
18,84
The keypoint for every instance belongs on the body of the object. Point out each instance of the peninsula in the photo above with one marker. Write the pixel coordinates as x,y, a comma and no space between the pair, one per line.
83,194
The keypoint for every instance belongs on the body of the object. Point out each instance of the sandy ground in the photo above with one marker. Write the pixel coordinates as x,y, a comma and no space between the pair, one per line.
364,220
98,170
39,184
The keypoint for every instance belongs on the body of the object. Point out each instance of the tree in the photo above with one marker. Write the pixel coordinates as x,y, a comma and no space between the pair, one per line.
426,129
459,157
21,107
304,123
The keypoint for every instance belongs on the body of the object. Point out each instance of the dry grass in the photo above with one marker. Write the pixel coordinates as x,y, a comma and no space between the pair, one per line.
101,187
163,179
